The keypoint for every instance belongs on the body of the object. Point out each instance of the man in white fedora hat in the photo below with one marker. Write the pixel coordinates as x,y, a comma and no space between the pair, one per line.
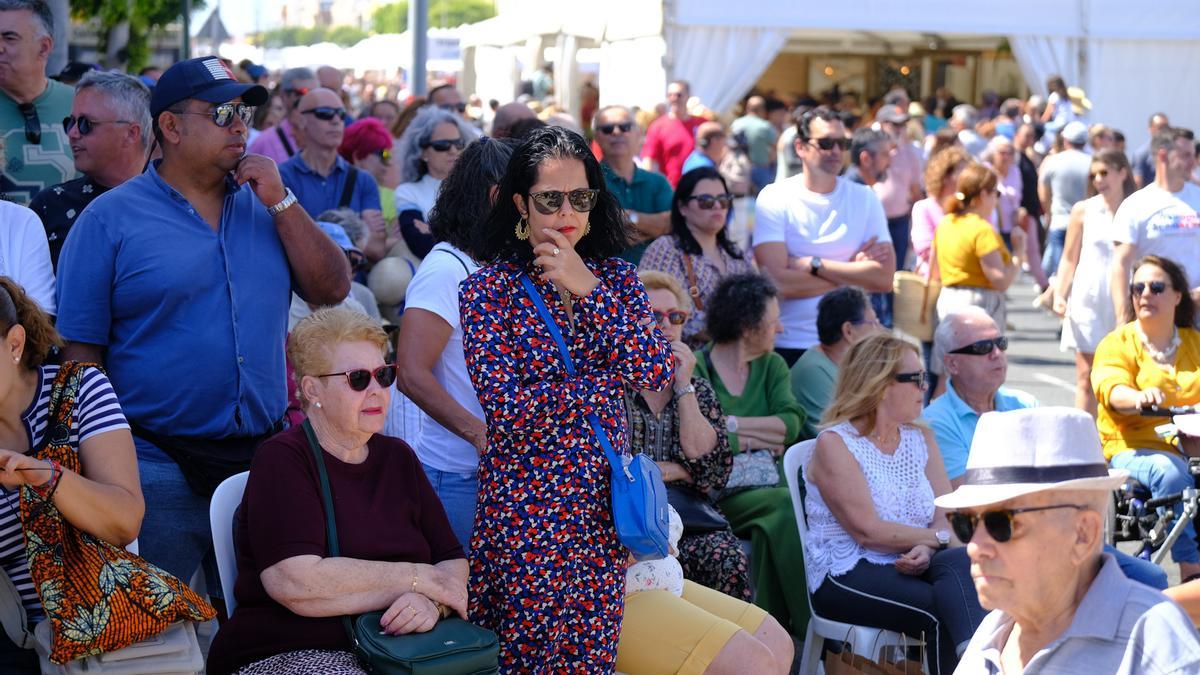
1031,510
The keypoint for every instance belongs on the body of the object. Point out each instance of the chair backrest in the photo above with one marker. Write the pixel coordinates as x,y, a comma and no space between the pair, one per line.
225,502
793,460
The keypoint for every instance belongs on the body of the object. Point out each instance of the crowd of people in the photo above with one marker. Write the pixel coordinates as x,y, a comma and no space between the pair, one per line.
445,318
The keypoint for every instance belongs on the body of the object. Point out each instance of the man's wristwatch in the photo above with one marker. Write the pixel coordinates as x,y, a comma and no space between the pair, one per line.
814,266
731,424
288,200
943,539
680,392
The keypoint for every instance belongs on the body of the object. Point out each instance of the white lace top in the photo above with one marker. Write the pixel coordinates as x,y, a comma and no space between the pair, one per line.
900,493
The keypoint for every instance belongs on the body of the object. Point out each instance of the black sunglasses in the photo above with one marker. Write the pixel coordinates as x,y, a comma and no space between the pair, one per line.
326,113
454,107
222,115
676,318
983,347
831,143
33,125
550,201
608,129
997,522
1156,287
360,378
445,144
921,378
86,124
707,202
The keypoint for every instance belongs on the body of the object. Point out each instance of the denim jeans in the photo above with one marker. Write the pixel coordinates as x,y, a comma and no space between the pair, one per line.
458,492
1056,240
1141,571
175,533
1164,473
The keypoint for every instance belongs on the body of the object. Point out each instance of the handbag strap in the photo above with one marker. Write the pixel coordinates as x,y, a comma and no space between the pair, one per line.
601,435
693,288
330,524
348,187
287,146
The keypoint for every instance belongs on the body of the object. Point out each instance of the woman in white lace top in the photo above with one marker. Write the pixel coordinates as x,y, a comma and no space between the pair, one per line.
878,553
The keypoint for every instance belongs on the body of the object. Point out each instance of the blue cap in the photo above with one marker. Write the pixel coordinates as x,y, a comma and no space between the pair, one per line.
256,71
206,78
337,233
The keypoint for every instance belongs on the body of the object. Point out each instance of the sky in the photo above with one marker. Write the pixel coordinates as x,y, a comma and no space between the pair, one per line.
243,16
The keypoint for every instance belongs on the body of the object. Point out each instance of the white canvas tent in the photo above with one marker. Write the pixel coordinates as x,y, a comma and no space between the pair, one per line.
1131,58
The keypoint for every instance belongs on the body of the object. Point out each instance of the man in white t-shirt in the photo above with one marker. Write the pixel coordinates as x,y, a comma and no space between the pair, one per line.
1161,219
25,253
815,231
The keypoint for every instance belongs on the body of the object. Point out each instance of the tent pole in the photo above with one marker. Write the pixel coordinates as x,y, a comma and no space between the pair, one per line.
418,26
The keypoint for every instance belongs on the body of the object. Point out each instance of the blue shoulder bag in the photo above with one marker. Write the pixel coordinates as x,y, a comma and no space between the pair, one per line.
639,497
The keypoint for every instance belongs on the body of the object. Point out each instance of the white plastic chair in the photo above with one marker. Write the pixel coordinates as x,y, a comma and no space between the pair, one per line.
224,504
862,639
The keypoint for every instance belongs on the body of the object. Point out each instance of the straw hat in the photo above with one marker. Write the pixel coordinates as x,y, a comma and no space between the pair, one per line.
1079,100
1020,452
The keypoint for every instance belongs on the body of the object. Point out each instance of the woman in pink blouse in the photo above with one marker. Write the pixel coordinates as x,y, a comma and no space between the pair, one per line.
941,173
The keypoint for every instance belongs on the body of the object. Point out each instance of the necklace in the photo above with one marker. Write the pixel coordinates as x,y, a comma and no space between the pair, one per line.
1167,354
885,439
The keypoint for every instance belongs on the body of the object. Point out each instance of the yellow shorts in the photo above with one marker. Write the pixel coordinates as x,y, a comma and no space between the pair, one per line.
664,634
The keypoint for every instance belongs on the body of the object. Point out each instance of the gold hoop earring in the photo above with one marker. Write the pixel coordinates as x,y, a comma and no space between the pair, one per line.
587,227
522,230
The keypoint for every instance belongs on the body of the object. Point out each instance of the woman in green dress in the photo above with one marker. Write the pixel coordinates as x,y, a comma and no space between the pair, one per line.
762,419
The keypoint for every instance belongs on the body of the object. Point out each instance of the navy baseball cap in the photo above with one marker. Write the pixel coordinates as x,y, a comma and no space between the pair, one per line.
206,78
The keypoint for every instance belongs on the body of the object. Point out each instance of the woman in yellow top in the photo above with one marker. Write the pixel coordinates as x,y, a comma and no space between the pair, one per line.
975,266
1153,360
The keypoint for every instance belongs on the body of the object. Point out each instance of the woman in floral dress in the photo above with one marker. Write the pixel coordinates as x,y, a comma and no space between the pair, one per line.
547,569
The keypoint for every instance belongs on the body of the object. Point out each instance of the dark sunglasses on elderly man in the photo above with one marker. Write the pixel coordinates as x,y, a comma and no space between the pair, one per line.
983,347
86,124
997,522
550,201
1156,288
921,378
676,318
360,378
326,113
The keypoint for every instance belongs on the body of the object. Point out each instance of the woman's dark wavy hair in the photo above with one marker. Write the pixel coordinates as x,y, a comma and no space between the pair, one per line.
738,305
496,240
464,199
679,229
1185,311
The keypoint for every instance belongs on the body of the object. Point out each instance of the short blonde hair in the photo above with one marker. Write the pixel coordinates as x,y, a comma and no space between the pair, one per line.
313,339
654,280
867,370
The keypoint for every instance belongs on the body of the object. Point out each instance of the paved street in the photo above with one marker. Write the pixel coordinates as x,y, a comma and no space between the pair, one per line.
1035,363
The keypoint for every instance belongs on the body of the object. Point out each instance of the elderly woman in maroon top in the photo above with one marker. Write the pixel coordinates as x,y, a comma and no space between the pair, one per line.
398,553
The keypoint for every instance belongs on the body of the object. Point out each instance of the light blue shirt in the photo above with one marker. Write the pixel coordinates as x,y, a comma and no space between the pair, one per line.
954,421
1120,627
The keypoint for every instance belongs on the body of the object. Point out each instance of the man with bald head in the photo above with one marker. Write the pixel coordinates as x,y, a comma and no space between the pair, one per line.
285,139
319,177
508,115
760,137
710,147
672,137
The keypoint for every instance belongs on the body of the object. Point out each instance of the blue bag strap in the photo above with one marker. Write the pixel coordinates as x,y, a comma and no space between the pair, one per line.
614,458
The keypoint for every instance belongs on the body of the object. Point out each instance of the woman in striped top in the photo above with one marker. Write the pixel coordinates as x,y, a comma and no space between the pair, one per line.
105,501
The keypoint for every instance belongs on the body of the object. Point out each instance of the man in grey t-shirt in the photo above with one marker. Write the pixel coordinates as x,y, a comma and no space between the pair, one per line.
1063,181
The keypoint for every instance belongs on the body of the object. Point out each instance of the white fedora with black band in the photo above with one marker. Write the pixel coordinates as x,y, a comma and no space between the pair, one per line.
1020,452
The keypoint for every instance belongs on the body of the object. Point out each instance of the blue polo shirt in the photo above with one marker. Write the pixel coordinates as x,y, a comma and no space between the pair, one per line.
317,193
194,320
954,421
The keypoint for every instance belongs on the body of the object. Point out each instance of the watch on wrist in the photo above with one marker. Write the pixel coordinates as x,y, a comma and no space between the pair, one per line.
943,539
680,392
288,200
814,266
731,424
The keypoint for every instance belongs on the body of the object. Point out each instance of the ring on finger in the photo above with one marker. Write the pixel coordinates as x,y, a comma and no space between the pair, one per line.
555,251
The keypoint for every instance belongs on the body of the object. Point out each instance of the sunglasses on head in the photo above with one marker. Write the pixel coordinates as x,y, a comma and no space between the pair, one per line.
445,144
33,125
831,143
608,129
707,202
223,115
326,113
550,201
359,379
997,522
298,93
86,124
921,378
675,318
983,347
1156,287
454,107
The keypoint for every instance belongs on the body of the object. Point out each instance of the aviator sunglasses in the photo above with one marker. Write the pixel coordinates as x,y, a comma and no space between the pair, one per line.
360,378
707,202
997,522
33,125
222,115
1156,287
86,124
326,113
676,318
983,347
550,201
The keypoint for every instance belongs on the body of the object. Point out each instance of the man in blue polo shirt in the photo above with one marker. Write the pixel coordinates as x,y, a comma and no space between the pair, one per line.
178,281
972,348
317,175
645,195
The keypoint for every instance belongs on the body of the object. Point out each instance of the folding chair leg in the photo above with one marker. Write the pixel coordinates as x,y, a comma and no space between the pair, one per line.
811,656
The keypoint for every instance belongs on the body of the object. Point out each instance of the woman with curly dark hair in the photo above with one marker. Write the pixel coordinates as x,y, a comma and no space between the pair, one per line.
762,418
698,253
547,569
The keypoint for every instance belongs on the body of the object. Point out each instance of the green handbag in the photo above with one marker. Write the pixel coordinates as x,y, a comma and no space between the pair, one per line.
452,647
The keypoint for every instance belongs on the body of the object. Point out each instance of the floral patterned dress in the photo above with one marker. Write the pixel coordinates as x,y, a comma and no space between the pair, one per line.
547,570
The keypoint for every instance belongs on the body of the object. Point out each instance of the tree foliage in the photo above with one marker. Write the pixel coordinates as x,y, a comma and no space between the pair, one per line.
292,36
143,17
393,18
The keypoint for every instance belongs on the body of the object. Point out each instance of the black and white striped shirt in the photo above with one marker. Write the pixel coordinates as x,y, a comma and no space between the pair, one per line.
96,412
